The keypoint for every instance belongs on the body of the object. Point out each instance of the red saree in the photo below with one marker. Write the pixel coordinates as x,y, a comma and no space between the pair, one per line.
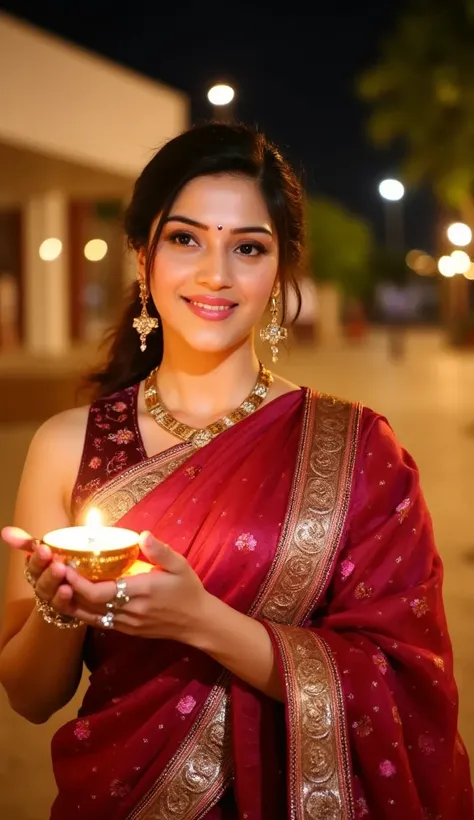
307,515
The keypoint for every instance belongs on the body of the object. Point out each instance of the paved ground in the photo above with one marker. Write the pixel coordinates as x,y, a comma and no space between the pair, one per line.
429,398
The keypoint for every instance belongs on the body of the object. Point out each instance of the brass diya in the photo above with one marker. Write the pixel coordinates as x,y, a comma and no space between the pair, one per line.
104,555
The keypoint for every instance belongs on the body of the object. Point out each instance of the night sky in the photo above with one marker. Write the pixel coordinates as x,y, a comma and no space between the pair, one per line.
294,75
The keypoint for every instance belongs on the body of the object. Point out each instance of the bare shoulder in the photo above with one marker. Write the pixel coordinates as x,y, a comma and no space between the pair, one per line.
64,430
59,443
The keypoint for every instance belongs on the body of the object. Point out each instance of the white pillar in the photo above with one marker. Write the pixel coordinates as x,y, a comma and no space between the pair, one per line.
46,283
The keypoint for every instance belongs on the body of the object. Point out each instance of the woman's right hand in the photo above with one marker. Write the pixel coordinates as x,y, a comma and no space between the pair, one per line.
45,574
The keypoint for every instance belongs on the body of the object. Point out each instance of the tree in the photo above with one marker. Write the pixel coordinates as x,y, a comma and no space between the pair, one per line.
340,247
389,266
422,95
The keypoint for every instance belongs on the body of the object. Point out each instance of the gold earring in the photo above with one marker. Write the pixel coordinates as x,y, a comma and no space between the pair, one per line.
144,324
274,332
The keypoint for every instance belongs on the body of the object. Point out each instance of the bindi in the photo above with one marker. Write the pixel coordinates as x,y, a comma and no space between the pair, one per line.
219,227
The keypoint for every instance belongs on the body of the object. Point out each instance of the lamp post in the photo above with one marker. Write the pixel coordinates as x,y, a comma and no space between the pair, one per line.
221,96
392,192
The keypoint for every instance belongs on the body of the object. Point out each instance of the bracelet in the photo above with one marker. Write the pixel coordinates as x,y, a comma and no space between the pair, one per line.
52,617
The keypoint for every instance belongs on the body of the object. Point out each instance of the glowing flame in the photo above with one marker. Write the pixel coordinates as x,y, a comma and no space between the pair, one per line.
93,527
93,519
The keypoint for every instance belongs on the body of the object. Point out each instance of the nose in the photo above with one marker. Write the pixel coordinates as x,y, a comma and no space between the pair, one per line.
215,271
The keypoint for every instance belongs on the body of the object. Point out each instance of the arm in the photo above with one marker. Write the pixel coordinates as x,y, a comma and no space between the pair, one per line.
40,665
241,644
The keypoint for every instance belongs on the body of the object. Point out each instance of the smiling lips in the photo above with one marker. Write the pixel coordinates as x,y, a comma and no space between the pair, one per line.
213,308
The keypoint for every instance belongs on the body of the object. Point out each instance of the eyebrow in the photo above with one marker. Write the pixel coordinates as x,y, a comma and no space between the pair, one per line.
193,222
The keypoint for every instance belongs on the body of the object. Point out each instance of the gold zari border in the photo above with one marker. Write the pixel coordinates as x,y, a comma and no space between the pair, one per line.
318,754
191,783
320,772
305,559
201,769
120,495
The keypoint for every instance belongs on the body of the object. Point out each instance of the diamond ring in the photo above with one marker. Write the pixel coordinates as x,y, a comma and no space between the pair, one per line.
107,620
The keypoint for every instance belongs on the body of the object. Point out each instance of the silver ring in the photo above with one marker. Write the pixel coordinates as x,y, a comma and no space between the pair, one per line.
107,620
120,598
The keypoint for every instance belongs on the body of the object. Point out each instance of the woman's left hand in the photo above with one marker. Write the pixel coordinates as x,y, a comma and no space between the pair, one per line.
164,603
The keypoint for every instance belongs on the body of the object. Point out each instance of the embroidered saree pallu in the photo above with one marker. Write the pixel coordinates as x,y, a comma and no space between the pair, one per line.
308,516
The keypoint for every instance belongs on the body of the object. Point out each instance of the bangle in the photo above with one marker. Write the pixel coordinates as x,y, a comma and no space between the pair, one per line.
52,617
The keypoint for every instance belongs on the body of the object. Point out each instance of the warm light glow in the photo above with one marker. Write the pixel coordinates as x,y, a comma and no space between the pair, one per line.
220,94
459,234
93,519
421,262
392,190
470,273
425,265
412,258
446,266
95,250
93,527
461,261
50,249
139,567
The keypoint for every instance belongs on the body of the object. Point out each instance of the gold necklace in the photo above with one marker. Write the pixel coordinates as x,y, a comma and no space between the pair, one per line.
201,437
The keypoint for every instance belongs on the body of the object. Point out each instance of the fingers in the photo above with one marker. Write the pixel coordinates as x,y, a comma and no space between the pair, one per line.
39,560
50,580
62,599
68,603
91,599
18,538
123,621
97,593
161,554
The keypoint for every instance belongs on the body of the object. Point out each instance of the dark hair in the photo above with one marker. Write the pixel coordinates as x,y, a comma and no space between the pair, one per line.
213,148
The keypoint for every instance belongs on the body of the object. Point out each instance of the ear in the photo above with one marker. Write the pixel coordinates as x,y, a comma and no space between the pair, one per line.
276,289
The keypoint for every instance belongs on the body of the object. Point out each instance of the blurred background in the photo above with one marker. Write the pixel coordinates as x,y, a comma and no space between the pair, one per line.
374,104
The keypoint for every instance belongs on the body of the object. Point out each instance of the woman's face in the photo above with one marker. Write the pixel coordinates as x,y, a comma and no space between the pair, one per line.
216,263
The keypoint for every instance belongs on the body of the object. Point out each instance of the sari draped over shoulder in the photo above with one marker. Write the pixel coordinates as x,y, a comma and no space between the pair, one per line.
308,515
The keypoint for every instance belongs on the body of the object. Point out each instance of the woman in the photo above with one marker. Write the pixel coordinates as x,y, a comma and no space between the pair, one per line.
287,656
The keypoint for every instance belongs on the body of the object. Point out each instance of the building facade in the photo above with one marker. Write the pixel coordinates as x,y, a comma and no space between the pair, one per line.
75,131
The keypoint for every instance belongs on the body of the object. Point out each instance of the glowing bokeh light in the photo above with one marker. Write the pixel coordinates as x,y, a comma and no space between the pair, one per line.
461,261
392,190
50,249
95,250
459,234
221,94
446,266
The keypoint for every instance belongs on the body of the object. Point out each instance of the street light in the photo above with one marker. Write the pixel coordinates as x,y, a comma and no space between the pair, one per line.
459,234
221,96
392,192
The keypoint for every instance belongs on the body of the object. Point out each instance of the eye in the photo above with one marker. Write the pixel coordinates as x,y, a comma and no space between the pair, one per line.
251,249
182,238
